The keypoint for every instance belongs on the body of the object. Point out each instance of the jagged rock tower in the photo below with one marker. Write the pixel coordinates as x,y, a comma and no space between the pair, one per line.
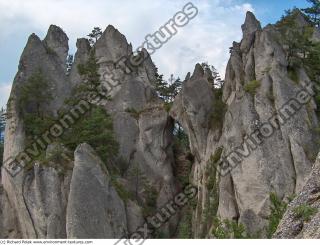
280,163
41,203
83,201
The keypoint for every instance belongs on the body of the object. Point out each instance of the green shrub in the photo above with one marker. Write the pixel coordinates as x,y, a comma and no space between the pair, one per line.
219,109
123,193
50,51
185,224
96,126
96,129
317,99
181,139
91,84
211,170
133,112
217,155
267,70
34,96
168,106
293,74
150,205
304,212
90,71
251,87
218,230
35,125
212,203
229,229
301,50
278,208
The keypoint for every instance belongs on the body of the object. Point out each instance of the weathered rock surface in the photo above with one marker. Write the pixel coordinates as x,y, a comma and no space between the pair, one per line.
45,192
57,42
282,162
193,108
28,193
134,216
292,226
284,159
141,123
145,142
8,224
37,203
94,209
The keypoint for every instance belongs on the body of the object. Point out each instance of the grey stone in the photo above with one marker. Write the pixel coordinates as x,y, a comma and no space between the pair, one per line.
134,216
94,208
294,227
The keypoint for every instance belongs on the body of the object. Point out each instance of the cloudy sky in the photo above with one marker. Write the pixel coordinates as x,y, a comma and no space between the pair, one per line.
206,38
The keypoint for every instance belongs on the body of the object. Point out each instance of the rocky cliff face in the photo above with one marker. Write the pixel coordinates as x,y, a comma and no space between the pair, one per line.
258,118
284,159
43,202
278,160
94,208
302,217
24,192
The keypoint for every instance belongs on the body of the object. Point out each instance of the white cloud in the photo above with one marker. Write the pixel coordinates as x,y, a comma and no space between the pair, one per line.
5,89
206,38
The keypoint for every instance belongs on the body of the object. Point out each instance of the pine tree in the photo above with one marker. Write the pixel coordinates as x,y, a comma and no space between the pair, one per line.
296,40
313,12
169,89
215,78
161,86
94,35
301,50
35,94
92,84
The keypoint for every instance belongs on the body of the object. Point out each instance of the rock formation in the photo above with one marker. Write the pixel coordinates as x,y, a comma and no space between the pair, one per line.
255,118
281,162
36,200
94,208
294,225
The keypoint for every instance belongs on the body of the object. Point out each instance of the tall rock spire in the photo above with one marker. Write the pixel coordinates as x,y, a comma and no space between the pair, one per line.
57,40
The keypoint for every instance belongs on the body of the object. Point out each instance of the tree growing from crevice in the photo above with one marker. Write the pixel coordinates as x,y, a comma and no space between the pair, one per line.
296,40
142,187
302,51
96,129
313,12
214,76
218,106
34,97
168,90
91,87
95,34
96,126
